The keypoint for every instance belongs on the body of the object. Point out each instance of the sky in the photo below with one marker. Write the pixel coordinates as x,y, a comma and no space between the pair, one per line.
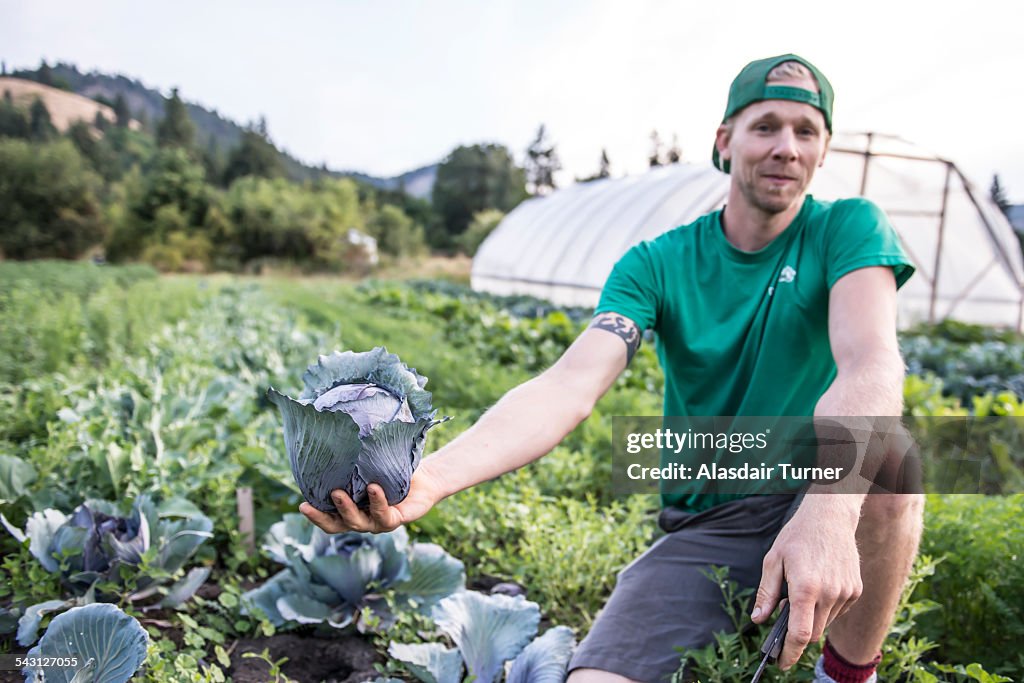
387,86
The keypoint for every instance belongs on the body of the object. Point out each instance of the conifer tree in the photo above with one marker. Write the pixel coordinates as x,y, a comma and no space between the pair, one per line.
45,74
605,169
13,122
998,194
122,114
214,160
255,155
176,129
675,154
39,123
655,157
541,164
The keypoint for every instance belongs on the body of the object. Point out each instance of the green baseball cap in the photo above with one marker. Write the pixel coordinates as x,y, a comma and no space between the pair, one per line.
750,87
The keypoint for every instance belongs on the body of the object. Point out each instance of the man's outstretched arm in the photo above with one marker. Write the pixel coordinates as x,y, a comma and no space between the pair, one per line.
525,424
816,553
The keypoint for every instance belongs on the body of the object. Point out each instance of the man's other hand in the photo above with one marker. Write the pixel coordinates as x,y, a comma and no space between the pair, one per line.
381,517
816,555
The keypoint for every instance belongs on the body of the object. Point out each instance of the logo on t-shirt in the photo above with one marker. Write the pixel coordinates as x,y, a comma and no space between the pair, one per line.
788,274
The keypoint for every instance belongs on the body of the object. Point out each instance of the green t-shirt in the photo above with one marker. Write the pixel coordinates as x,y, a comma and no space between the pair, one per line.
746,333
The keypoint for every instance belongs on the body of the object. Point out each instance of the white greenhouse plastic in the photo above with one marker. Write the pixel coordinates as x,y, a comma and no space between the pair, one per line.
969,267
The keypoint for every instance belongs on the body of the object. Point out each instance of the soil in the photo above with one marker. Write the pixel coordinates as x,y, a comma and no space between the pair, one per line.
486,583
9,647
311,658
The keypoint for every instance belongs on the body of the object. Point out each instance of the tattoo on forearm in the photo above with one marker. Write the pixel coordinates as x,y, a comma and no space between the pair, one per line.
623,327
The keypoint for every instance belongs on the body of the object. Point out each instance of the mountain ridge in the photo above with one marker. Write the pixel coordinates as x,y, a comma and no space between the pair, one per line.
147,103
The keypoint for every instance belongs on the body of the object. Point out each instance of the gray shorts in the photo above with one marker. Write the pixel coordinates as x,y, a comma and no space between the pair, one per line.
663,601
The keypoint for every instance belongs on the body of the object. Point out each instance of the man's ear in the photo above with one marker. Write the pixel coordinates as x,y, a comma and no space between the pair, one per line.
722,136
828,141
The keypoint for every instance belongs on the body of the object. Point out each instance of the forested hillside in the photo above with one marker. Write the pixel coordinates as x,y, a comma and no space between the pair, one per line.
136,176
213,131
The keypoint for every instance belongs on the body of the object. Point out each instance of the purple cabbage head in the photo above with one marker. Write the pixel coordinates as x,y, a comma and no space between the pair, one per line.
362,419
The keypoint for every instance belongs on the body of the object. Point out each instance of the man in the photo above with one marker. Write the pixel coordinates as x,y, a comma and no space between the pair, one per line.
775,305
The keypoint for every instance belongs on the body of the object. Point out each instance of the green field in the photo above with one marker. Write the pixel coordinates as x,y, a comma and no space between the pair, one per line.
115,382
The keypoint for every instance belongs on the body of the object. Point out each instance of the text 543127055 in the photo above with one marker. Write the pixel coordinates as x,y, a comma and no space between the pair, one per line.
18,662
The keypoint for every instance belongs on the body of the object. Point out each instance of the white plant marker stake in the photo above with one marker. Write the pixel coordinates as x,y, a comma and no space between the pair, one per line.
246,517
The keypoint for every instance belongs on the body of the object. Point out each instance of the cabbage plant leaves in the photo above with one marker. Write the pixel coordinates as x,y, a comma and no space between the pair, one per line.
487,629
491,633
332,577
95,541
110,644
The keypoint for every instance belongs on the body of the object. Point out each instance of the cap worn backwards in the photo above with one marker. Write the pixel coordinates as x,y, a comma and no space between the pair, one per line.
751,86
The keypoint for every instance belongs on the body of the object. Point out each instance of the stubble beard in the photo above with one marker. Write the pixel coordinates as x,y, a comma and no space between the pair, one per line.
769,202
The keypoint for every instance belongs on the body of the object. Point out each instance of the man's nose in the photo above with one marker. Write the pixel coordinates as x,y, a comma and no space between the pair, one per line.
785,145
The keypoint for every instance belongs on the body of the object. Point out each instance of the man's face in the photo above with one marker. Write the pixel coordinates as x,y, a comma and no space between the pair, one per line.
773,149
